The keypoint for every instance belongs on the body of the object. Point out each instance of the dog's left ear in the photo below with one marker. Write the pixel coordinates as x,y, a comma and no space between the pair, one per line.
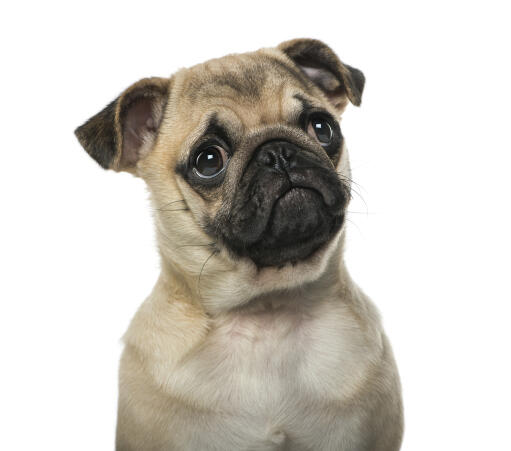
125,130
322,66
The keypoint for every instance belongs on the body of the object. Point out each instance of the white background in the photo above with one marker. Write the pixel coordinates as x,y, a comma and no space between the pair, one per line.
429,148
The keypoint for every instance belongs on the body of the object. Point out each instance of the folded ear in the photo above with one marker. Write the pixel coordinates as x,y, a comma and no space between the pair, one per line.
322,66
125,130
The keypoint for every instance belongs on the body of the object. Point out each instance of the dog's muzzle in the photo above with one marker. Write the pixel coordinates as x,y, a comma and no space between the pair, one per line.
289,203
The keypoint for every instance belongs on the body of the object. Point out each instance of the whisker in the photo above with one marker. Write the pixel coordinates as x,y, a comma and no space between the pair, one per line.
348,179
362,199
345,178
354,224
202,269
197,245
164,206
173,209
173,202
188,245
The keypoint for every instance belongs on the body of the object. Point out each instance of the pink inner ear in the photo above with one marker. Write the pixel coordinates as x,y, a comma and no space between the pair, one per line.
138,125
322,77
327,82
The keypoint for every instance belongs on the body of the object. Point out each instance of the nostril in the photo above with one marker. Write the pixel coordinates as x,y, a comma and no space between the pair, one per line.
277,155
287,152
266,158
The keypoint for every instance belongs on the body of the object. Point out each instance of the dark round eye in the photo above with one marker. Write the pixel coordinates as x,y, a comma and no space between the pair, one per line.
210,161
320,128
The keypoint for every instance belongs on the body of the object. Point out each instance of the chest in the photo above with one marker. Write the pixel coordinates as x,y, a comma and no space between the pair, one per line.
276,374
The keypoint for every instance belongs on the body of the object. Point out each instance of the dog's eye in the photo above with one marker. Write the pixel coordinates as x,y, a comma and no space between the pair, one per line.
320,128
210,161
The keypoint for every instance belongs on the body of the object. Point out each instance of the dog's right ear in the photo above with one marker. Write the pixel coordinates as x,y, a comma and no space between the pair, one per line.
338,81
125,130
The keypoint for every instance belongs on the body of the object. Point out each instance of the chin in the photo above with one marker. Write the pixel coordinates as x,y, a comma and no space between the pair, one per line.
240,279
294,271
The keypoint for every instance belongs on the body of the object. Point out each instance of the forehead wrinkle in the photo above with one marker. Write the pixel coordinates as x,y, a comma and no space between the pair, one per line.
243,75
307,101
211,118
239,73
268,111
202,89
221,107
243,111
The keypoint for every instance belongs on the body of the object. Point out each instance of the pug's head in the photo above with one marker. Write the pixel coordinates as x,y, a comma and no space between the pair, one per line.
245,162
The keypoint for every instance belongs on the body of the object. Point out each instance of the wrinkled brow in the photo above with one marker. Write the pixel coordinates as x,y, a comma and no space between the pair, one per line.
306,104
217,128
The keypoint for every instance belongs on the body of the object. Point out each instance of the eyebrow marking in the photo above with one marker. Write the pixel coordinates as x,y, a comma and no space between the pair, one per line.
306,105
214,127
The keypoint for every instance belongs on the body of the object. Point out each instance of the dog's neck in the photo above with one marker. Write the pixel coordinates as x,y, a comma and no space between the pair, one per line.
175,309
179,285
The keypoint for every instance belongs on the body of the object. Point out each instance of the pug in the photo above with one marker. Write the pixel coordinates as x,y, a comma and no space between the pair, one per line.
254,337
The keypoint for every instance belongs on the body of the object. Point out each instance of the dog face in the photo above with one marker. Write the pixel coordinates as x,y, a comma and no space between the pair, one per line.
246,164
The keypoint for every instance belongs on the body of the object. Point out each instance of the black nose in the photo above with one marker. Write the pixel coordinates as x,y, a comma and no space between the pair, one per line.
279,155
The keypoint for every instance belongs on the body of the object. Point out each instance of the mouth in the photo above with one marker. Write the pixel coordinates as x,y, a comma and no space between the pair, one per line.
284,209
299,225
297,203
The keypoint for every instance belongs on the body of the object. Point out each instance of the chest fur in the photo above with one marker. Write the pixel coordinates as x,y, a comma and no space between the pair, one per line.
272,365
273,378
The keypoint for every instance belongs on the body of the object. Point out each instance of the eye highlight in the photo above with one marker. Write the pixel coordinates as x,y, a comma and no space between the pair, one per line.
210,161
319,127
